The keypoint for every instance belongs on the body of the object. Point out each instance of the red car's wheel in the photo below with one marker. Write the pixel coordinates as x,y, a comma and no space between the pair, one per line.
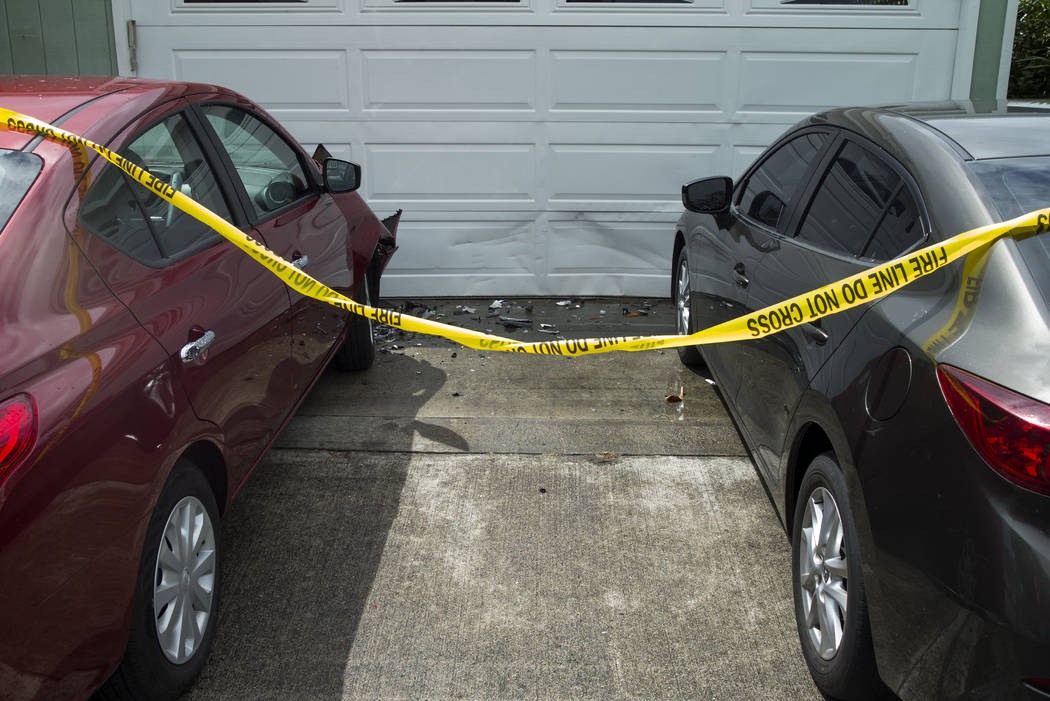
177,595
358,351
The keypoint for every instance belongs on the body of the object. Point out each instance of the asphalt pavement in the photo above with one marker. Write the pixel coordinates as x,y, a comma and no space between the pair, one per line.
464,524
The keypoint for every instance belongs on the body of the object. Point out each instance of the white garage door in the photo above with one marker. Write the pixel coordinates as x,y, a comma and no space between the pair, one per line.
538,147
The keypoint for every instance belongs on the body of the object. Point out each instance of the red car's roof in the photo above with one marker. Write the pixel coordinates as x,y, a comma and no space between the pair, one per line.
47,97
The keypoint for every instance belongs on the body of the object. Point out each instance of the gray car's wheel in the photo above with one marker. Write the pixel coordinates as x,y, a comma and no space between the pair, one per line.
177,593
831,609
358,351
681,290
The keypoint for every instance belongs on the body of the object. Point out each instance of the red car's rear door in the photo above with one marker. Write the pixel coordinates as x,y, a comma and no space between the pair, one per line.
186,285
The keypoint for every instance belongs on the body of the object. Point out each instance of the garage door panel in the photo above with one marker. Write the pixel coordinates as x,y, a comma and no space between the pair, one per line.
465,257
587,249
449,80
651,81
274,78
457,248
803,82
457,173
625,176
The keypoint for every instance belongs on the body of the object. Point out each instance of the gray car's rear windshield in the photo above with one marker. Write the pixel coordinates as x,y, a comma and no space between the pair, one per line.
18,170
1016,186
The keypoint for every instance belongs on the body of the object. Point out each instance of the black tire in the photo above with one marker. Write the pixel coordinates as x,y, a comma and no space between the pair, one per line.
358,351
842,667
148,672
689,355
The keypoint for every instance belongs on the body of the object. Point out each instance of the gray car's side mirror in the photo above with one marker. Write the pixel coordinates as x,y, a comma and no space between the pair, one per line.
708,195
341,176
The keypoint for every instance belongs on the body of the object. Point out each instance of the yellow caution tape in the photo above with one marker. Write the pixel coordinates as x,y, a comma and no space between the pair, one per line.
832,298
965,304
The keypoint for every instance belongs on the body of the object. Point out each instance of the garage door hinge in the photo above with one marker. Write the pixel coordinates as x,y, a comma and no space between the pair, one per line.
133,62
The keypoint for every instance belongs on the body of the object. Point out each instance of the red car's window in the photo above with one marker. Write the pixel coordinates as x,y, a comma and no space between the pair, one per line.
267,164
140,223
18,170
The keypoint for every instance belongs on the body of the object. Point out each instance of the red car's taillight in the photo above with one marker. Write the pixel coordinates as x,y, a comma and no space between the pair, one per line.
17,432
1009,430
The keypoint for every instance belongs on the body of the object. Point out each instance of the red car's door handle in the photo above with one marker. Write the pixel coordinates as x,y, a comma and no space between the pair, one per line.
193,350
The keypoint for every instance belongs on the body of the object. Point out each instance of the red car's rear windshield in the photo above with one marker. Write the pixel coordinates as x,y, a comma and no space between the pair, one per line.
18,170
1016,186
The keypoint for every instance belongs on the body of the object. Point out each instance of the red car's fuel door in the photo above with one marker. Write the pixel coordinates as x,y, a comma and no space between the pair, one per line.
279,188
222,318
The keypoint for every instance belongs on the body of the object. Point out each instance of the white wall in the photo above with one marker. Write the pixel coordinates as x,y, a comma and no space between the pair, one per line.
538,147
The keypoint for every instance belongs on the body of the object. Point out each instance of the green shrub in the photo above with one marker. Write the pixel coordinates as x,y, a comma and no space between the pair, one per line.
1030,64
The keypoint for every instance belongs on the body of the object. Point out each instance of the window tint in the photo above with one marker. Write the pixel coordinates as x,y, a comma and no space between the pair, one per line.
849,203
780,178
899,230
266,163
1016,186
137,221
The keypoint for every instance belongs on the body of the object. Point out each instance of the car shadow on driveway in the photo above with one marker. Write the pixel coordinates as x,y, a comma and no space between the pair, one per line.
303,543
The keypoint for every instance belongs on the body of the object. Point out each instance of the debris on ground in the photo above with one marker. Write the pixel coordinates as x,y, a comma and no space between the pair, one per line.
601,458
463,309
515,321
676,397
637,312
547,328
384,333
496,304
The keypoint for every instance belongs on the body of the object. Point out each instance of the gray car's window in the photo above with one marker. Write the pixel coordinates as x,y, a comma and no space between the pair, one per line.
18,170
266,163
900,229
137,221
775,183
1015,186
861,208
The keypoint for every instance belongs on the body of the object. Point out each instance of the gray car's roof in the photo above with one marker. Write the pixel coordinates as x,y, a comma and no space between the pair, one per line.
984,129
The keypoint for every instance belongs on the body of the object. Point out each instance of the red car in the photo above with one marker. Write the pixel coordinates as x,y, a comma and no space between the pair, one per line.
146,364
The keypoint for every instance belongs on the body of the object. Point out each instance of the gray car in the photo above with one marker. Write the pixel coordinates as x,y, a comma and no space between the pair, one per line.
904,443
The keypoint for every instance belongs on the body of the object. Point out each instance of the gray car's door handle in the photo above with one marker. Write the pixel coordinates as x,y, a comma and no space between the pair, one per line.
299,262
192,351
738,275
817,334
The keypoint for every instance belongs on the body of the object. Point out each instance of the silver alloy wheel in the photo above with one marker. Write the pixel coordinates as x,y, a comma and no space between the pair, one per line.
682,296
184,584
822,572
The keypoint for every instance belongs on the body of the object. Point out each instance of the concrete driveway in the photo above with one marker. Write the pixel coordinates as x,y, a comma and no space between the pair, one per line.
464,524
